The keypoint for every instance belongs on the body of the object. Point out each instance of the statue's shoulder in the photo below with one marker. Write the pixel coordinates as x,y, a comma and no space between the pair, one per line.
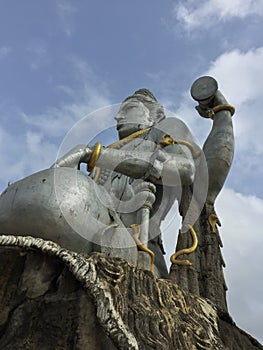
169,123
174,127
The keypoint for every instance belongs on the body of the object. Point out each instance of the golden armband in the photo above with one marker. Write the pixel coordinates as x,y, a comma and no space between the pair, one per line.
223,107
94,156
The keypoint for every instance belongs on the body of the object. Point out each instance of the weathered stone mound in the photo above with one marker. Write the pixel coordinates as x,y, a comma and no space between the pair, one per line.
69,301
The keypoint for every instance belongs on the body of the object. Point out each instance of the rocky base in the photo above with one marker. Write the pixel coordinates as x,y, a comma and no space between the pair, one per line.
69,301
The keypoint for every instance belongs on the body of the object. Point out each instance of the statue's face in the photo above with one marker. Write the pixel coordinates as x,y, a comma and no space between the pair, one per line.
132,116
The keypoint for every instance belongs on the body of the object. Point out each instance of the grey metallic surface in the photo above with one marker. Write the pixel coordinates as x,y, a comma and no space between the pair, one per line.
58,204
64,205
204,88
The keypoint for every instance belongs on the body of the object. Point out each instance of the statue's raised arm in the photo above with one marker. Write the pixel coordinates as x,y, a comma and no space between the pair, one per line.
219,145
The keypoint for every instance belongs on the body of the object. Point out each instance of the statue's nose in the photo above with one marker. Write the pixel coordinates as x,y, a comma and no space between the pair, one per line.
119,117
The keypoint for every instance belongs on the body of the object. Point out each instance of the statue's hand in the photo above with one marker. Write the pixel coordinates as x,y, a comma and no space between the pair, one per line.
203,111
72,159
154,171
86,154
172,166
205,108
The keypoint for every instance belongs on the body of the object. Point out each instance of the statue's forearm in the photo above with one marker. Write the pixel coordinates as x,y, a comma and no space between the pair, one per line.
219,151
220,142
73,158
130,163
159,167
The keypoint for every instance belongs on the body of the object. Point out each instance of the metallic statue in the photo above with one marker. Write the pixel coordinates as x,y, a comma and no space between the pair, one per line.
118,208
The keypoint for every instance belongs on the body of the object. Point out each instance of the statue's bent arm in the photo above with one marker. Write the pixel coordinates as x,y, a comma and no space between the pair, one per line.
171,166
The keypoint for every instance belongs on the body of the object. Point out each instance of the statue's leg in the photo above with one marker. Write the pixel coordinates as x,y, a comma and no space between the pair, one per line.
62,205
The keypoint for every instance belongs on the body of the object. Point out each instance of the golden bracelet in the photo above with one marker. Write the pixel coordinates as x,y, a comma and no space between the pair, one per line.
224,107
94,156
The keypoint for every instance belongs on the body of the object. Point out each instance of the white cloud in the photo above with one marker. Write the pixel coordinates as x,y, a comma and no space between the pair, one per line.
39,55
240,78
241,233
65,11
4,51
55,121
88,95
240,74
35,153
203,14
37,142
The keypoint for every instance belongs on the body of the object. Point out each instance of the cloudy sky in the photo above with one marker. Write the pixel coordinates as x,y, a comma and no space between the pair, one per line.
61,60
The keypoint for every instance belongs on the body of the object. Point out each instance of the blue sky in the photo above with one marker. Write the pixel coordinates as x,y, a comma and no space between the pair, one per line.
61,60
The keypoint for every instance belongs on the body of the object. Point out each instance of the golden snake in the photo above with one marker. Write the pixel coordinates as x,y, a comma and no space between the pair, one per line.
174,257
140,245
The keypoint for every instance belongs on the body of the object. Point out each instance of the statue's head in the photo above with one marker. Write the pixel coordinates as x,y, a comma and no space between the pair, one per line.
137,112
143,94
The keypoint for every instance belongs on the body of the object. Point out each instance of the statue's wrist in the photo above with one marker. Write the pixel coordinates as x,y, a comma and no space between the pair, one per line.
155,167
219,108
86,153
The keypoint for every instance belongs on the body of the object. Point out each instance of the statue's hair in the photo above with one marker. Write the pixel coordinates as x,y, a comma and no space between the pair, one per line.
149,100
